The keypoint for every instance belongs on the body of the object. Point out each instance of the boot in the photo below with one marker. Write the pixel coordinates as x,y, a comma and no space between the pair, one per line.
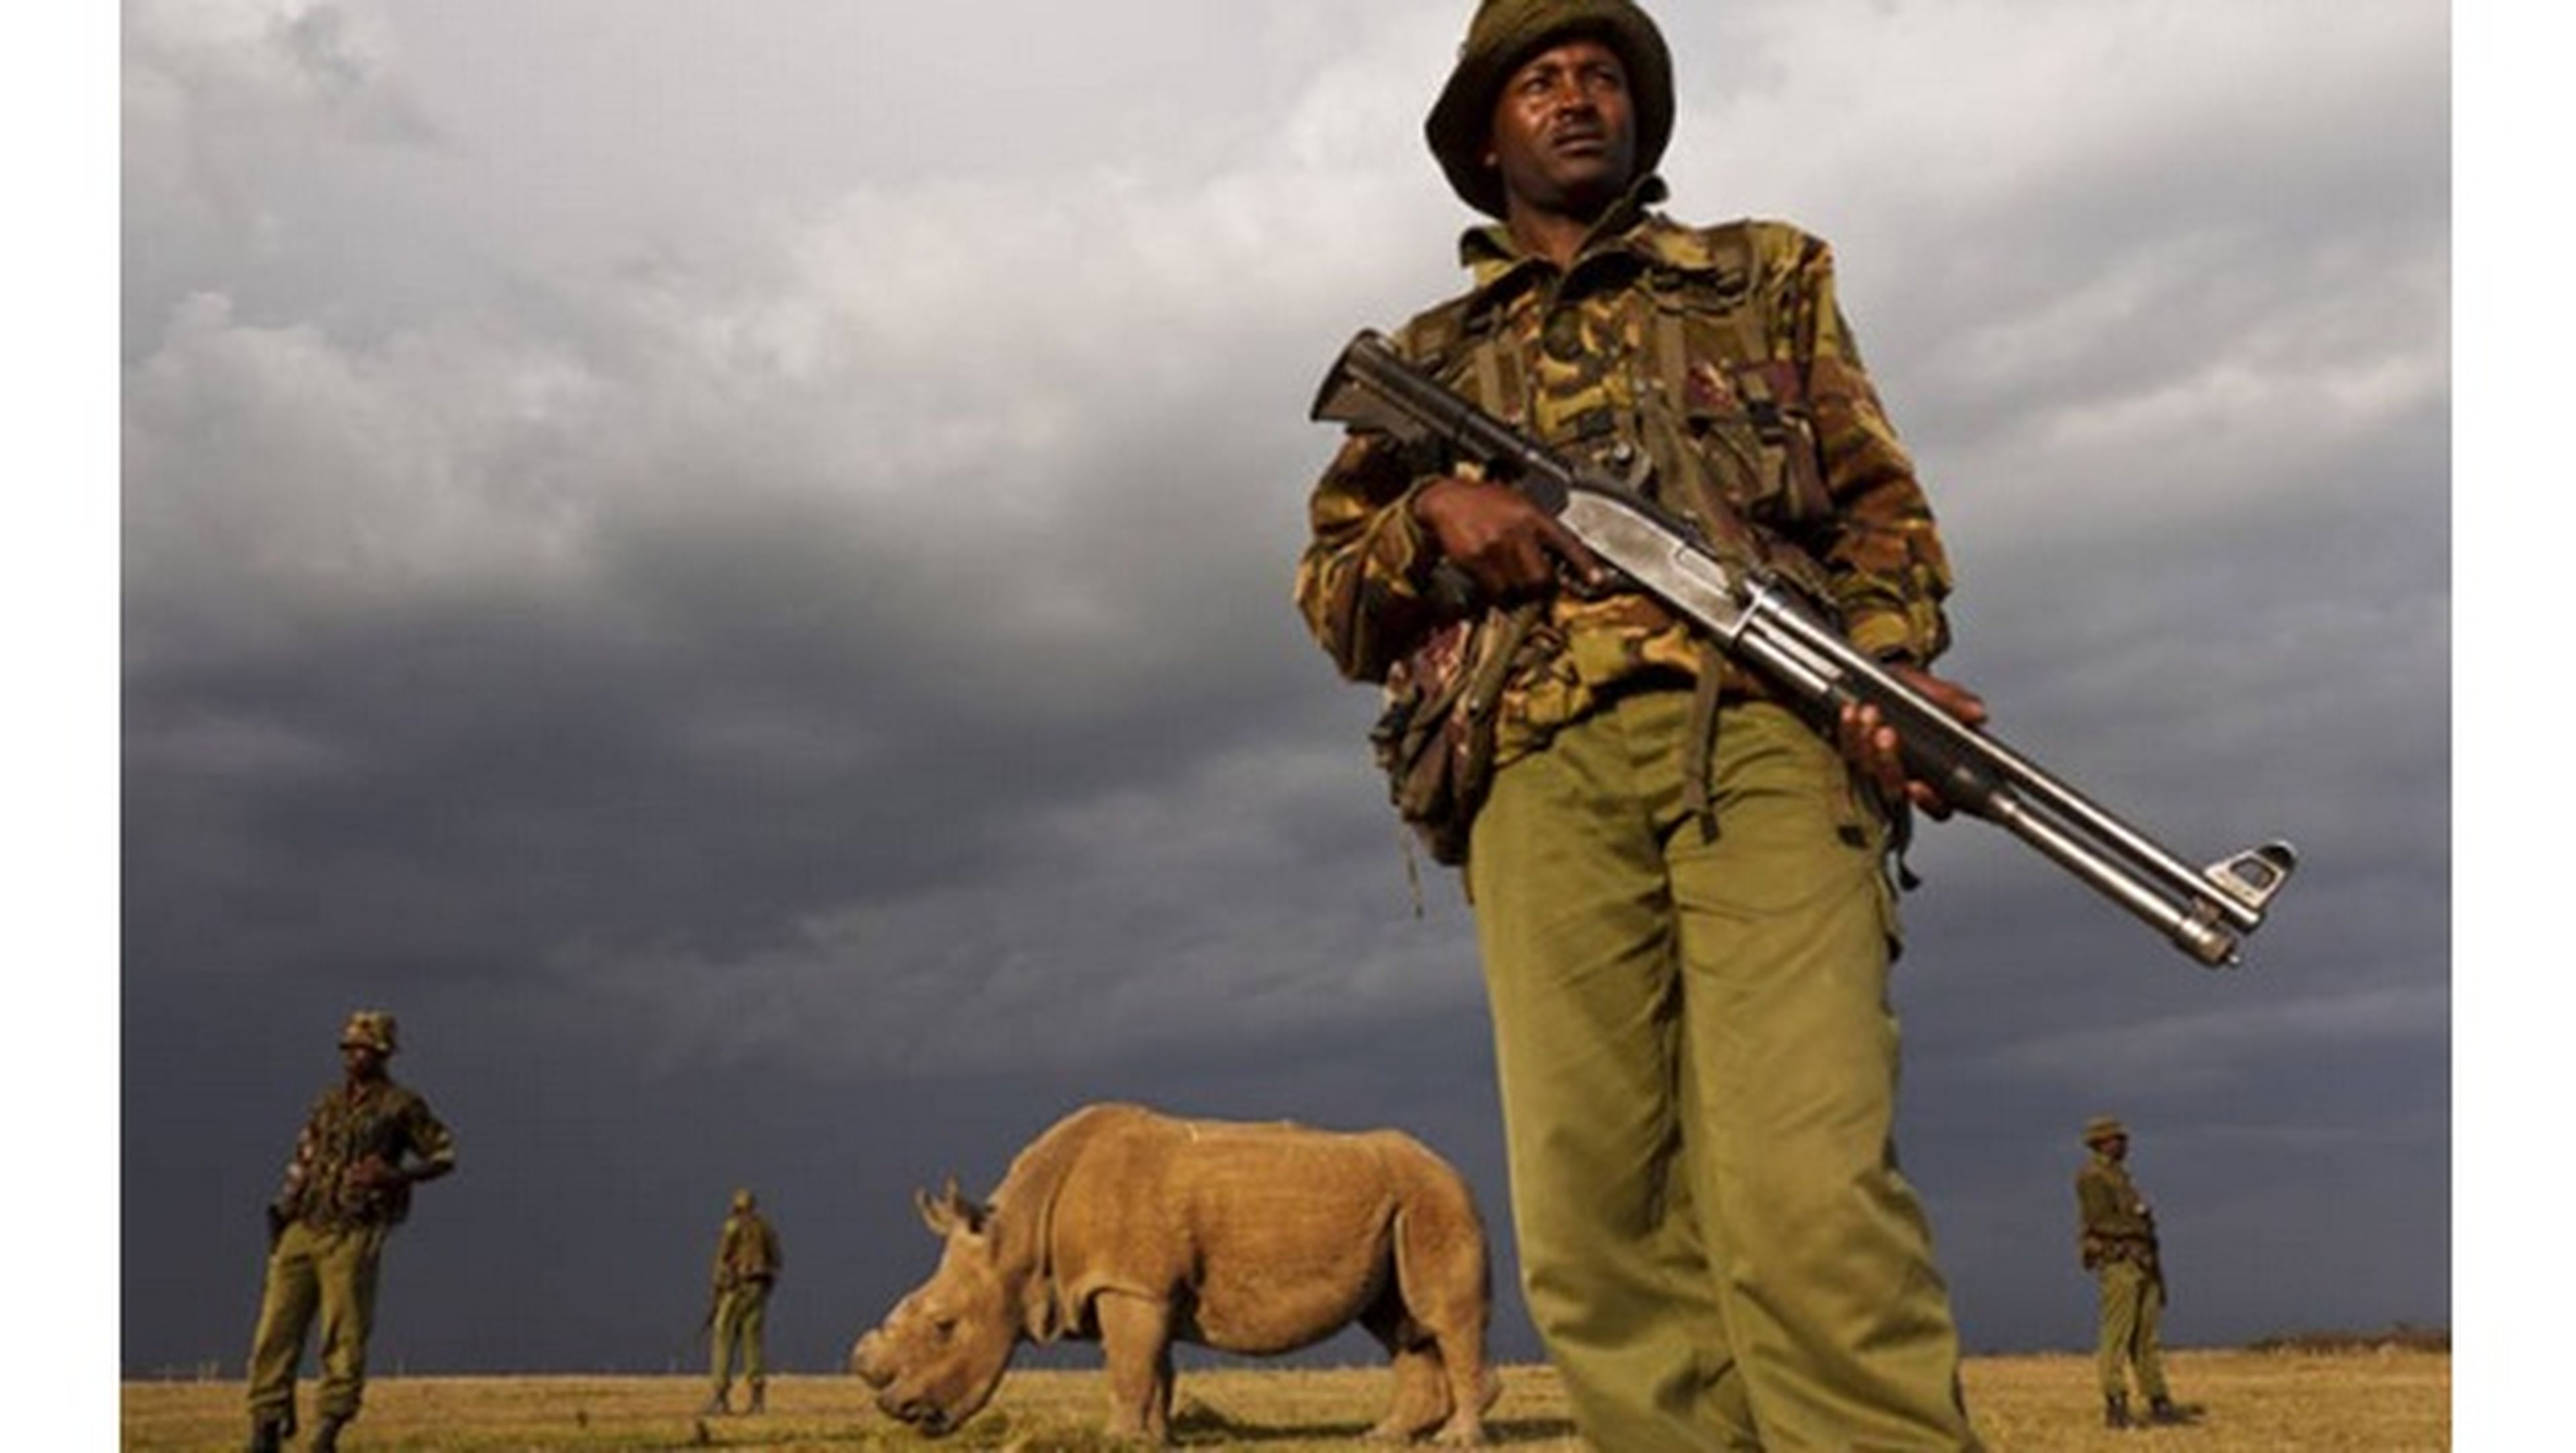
718,1406
267,1435
2115,1410
2162,1412
326,1434
759,1398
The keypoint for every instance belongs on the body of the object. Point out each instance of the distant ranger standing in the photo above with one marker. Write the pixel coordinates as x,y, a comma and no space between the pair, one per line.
747,1264
364,1144
2120,1250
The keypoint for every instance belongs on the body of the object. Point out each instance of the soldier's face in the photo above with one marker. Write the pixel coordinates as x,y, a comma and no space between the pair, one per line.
362,1061
1564,130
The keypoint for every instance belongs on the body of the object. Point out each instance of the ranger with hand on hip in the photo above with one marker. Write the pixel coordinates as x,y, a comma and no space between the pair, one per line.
2119,1248
364,1145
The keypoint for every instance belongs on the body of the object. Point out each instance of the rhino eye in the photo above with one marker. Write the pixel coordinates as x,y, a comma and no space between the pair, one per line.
944,1328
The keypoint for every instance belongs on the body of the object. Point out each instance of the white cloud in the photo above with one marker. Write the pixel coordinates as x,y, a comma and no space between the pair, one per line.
1970,107
2109,261
216,92
305,58
275,468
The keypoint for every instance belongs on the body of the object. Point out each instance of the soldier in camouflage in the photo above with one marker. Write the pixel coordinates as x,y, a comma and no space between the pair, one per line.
2119,1248
1680,888
364,1145
747,1265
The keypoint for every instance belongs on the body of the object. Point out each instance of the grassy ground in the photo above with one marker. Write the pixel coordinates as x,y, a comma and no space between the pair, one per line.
2253,1402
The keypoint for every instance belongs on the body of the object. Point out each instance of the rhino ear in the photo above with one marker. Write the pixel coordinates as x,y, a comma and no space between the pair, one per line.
967,1213
950,1212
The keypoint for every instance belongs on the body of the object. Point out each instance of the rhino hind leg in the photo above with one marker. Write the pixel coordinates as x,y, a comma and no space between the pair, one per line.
1422,1399
1136,1342
1446,1283
1466,1429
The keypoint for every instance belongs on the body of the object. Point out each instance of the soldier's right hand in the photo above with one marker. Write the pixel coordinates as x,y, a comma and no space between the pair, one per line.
1506,544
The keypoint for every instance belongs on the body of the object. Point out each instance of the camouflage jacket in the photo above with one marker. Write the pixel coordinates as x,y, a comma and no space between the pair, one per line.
746,1251
1714,366
2118,1223
350,1125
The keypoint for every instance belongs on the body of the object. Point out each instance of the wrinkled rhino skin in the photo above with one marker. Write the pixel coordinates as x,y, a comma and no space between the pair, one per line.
1139,1230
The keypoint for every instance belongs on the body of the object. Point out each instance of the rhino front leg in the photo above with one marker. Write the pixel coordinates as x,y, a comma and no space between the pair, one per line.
1136,1340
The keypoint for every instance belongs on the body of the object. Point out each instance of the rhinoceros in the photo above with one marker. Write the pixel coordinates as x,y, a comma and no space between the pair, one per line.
1137,1230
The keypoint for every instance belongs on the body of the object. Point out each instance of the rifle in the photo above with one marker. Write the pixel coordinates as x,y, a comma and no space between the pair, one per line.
689,1345
1761,621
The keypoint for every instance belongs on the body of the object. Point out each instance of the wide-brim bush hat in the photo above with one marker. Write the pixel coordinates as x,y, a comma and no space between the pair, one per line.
1505,33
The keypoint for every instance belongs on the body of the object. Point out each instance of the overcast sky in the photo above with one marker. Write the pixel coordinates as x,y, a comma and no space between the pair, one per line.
729,565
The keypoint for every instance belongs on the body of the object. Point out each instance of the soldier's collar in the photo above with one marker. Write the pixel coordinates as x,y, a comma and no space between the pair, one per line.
1491,253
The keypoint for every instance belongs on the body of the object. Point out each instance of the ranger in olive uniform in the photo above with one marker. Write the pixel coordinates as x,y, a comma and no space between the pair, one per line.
747,1264
1680,891
2119,1247
366,1142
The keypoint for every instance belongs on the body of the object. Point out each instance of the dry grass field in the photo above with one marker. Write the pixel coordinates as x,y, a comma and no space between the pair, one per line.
2252,1402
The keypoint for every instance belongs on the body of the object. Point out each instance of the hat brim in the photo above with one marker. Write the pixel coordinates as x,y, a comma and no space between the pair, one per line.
1461,121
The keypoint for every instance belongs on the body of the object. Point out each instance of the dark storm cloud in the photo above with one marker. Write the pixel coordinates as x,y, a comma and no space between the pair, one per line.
768,642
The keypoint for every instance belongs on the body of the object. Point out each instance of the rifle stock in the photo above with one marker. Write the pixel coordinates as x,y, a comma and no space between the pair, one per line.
1761,621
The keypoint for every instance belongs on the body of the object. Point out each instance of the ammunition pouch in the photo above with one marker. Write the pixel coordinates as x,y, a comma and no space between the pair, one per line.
1435,738
1727,423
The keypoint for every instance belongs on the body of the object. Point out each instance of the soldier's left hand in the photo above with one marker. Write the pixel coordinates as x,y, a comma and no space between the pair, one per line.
1871,745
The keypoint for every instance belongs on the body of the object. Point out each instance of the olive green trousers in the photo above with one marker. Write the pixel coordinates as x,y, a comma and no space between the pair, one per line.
2133,1303
1698,1068
742,1312
313,1273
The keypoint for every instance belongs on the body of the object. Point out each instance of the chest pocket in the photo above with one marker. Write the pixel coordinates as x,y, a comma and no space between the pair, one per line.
1472,363
1455,345
1742,418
